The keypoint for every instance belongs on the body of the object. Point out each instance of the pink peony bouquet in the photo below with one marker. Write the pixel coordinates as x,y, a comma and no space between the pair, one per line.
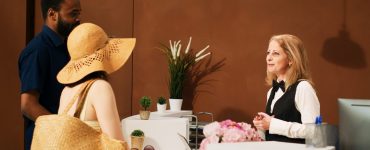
228,132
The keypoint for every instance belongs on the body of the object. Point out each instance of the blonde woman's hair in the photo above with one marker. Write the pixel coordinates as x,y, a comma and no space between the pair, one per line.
299,67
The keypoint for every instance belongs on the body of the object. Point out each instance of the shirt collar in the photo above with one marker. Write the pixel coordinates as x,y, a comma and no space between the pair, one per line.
55,38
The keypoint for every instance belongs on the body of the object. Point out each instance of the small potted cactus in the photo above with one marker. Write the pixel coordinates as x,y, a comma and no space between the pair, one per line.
137,139
145,103
161,104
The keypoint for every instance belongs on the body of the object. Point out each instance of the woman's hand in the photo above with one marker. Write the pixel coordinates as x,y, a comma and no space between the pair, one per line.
262,121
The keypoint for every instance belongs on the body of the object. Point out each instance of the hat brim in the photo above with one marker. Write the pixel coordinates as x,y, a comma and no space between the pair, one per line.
109,59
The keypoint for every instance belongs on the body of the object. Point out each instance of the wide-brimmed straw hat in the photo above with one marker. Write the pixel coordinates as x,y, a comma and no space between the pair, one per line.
91,50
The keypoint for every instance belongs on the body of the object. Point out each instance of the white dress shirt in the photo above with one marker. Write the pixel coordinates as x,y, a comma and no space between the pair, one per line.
306,103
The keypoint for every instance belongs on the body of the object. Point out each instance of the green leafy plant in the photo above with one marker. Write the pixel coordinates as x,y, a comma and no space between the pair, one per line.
161,100
179,64
137,133
145,102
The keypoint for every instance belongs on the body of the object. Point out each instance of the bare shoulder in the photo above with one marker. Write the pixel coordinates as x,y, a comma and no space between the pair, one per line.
101,91
64,91
101,85
63,96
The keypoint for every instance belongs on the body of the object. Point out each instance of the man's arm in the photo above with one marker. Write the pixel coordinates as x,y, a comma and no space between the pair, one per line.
30,105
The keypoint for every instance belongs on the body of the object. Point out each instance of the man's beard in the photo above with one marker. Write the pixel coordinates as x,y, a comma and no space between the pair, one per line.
64,28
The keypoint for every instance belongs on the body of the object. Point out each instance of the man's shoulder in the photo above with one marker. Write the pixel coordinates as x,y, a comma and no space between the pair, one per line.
39,43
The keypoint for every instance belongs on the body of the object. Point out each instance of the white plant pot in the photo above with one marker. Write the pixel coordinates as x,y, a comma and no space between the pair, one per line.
161,108
175,104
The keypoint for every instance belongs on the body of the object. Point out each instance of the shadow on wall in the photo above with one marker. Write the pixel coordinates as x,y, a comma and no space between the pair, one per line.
197,74
344,52
341,50
234,115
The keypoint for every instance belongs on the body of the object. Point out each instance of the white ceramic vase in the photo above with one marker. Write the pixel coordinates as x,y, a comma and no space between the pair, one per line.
161,108
175,104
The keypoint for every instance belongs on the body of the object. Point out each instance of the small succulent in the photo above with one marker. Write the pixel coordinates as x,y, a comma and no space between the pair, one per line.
145,102
137,133
161,100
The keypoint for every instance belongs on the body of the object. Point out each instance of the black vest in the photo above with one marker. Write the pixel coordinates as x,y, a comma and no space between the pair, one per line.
284,109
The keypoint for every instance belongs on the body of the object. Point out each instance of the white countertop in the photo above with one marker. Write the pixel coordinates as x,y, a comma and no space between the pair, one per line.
264,145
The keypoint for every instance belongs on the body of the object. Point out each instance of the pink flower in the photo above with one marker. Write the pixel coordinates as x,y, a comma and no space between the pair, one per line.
245,126
207,140
227,123
233,135
213,128
229,132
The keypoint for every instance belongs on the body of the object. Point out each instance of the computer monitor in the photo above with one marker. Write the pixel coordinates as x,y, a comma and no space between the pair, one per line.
354,124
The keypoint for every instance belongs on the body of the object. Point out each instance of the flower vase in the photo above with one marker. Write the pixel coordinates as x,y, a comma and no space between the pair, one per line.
175,104
161,108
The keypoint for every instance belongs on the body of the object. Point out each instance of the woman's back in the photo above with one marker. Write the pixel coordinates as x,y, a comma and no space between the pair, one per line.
99,109
69,132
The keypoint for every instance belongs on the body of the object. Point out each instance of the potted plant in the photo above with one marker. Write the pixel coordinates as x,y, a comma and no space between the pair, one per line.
179,64
137,139
161,104
145,102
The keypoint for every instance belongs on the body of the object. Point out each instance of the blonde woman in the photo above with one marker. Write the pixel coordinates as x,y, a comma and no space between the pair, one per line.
292,101
87,116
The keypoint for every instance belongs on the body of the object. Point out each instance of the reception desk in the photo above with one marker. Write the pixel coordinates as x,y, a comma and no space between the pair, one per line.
264,145
161,130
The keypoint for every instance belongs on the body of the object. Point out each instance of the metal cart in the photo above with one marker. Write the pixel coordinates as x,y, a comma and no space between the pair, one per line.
196,129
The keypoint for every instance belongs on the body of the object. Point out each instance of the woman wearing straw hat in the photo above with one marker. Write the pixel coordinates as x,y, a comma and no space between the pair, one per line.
87,95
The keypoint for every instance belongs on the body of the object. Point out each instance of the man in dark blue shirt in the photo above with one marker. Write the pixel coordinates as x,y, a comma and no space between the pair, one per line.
42,59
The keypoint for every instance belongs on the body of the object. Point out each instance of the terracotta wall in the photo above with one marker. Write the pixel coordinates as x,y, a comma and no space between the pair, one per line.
12,39
238,32
232,82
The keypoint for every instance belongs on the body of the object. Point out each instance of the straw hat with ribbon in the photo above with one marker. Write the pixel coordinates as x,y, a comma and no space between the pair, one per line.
91,50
